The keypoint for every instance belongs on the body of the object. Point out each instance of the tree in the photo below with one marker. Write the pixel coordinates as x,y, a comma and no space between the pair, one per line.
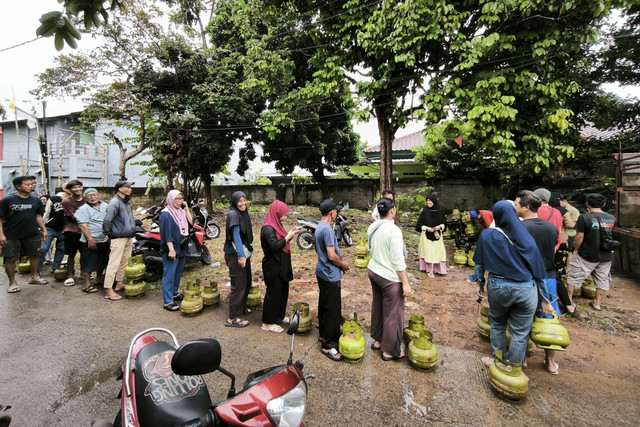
62,25
274,51
104,75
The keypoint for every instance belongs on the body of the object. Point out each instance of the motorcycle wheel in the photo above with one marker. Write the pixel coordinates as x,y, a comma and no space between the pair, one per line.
347,237
205,256
305,240
154,270
212,231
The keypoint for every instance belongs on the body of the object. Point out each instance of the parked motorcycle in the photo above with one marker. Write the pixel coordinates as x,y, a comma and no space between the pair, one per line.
147,244
202,218
306,239
162,386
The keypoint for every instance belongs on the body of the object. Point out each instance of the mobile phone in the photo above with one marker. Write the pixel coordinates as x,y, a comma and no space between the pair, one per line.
184,205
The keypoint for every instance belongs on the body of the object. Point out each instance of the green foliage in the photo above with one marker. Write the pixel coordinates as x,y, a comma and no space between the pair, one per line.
297,179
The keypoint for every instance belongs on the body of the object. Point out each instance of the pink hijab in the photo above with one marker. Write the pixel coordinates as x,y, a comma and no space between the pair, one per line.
178,215
277,210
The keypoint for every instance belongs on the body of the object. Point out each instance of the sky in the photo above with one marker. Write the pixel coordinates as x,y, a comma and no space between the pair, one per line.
20,64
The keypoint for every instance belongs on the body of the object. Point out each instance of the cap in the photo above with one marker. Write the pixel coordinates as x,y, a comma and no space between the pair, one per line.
123,183
327,206
543,193
90,190
473,214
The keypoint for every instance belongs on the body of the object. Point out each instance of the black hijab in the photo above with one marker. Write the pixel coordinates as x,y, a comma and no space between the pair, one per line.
240,218
431,216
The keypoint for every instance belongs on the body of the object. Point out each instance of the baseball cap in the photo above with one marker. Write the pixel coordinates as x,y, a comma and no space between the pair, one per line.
473,214
543,193
123,183
327,206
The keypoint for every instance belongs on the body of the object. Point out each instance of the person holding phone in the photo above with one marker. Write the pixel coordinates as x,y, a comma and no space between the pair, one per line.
276,265
175,221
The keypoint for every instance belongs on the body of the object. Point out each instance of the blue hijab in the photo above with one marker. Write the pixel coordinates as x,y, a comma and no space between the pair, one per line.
518,261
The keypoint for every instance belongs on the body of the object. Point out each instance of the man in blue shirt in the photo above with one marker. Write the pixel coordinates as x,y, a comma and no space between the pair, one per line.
329,273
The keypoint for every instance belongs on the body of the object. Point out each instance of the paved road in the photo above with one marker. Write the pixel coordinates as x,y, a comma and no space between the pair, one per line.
60,349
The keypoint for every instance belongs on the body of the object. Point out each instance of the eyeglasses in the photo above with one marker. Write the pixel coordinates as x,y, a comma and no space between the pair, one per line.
179,198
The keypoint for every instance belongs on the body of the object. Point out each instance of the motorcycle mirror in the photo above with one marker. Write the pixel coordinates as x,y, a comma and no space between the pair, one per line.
197,357
294,322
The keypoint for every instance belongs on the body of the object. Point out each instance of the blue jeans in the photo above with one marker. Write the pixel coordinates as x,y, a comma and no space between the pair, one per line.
516,303
44,249
171,276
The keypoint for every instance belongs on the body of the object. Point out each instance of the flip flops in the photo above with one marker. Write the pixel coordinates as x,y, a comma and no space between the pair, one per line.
388,358
488,361
113,297
549,370
13,289
38,281
594,306
332,354
273,328
236,323
172,306
373,347
89,289
69,282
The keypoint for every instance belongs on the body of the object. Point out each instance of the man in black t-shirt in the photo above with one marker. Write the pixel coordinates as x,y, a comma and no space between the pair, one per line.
22,230
589,258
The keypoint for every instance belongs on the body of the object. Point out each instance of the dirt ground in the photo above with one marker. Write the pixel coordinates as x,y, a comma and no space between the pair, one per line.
606,342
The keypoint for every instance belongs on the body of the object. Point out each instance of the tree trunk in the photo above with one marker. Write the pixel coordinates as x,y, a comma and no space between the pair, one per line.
319,177
207,192
386,131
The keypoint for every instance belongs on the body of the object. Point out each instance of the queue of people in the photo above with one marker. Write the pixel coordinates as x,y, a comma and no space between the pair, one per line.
514,259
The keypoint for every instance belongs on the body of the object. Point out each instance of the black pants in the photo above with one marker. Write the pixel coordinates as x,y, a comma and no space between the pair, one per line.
275,301
240,285
329,312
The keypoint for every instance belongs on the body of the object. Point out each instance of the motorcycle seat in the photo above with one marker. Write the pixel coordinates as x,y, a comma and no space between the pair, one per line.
311,222
162,397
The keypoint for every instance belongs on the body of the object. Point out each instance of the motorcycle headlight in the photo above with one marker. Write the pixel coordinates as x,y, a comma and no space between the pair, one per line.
288,410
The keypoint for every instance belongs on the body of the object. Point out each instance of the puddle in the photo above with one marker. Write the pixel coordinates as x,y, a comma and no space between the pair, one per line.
75,389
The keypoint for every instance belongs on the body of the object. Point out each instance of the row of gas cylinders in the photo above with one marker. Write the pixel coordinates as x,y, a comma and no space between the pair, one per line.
507,378
588,289
462,257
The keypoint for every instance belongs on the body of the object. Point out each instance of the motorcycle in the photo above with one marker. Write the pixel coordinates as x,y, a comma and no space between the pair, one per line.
202,218
147,244
162,386
306,239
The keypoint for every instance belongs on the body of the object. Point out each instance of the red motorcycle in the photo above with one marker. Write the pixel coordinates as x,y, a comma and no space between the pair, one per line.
162,386
147,244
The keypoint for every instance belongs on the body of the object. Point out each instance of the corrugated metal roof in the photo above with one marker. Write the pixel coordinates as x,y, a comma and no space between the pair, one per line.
401,144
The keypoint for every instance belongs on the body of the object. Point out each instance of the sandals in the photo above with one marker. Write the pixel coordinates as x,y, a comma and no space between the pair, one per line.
388,358
113,297
591,304
38,281
548,368
273,328
373,347
89,289
332,354
69,282
488,361
172,306
236,323
573,313
247,311
178,297
13,289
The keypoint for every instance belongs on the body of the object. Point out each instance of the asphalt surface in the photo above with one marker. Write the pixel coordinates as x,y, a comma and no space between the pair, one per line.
60,350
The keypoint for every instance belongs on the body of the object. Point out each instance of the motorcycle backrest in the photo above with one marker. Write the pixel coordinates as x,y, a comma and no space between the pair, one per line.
197,357
294,322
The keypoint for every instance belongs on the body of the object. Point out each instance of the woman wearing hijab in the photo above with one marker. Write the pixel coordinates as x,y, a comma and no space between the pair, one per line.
430,225
516,276
276,265
175,220
237,256
389,282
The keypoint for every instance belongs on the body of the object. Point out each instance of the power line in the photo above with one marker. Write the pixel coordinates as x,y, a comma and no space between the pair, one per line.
19,44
